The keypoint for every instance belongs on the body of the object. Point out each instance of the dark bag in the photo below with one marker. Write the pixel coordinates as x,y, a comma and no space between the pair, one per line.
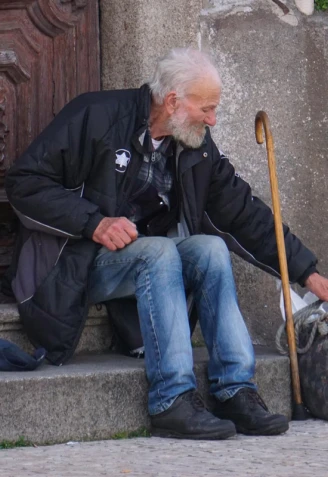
313,368
311,333
13,358
158,223
123,316
127,338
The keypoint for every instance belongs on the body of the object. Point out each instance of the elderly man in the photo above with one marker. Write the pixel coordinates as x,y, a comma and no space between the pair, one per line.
114,197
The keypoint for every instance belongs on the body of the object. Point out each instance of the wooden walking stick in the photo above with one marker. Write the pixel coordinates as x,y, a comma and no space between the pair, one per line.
299,411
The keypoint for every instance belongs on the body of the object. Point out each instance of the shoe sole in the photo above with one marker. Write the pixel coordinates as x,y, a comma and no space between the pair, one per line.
273,429
207,437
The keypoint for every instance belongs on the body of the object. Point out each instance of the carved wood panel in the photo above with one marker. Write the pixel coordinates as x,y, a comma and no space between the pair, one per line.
49,53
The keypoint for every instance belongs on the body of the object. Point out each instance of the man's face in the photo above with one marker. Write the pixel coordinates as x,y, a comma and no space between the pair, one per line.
194,112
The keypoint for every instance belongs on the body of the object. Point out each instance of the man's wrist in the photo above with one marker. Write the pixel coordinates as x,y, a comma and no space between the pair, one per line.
92,224
310,279
309,272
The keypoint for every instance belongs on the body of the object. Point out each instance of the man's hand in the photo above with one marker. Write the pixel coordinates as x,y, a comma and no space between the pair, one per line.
115,232
318,285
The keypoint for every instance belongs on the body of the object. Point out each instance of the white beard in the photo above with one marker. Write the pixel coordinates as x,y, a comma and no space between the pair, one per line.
189,134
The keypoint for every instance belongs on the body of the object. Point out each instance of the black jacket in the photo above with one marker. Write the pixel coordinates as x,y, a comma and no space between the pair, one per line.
68,180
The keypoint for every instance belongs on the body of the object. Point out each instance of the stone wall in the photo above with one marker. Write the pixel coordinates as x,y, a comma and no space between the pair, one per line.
134,33
269,59
276,63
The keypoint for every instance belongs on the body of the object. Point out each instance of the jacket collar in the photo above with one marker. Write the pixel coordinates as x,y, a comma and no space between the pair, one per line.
142,126
143,107
143,113
190,157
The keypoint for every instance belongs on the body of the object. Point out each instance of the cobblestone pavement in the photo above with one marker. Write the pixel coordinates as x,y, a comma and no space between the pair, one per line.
302,451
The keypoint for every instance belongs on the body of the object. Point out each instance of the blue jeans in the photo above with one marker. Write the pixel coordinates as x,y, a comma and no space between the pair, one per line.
158,270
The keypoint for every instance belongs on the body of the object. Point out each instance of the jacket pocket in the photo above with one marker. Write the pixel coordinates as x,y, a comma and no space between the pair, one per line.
37,257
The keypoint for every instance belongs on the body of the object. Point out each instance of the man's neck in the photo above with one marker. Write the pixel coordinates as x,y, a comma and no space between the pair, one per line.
158,122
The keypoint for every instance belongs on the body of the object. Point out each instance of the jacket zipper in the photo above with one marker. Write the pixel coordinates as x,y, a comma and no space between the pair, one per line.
144,186
263,265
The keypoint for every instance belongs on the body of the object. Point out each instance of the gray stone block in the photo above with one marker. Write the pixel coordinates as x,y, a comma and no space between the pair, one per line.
270,60
96,397
96,336
275,62
134,33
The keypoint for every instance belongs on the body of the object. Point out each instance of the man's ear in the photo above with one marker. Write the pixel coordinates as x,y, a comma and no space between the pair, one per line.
170,102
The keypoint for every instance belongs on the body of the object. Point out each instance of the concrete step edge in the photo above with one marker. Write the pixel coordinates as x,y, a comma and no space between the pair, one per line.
95,397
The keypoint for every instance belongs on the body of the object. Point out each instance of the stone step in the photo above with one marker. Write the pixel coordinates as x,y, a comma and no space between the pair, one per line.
97,396
96,336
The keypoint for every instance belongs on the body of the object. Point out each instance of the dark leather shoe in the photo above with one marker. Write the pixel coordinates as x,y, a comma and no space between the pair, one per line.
250,415
188,418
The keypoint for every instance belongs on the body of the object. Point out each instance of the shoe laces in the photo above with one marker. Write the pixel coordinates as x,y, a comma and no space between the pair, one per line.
195,398
253,398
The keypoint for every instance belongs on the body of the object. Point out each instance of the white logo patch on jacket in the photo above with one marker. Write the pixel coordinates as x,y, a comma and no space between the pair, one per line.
122,160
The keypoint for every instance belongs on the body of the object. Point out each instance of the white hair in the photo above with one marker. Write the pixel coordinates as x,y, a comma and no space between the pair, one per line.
179,69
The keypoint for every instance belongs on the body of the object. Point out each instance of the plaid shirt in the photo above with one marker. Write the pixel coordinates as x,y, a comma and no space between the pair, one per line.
154,181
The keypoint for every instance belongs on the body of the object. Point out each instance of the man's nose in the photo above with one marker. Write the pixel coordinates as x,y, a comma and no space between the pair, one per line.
210,119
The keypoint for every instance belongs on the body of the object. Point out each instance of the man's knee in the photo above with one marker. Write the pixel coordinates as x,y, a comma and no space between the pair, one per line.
211,246
216,243
158,249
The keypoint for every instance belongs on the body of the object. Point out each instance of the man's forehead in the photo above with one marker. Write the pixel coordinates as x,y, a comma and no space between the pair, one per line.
206,90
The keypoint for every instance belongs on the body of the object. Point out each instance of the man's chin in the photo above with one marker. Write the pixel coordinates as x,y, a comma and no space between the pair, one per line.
191,143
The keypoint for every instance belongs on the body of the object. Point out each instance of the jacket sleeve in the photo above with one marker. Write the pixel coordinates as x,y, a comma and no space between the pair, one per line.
45,185
234,210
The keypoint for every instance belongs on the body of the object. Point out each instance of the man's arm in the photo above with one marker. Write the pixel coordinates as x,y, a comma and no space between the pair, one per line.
234,210
45,184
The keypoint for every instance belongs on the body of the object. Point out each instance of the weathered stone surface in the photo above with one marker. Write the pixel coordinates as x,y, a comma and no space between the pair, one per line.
269,59
135,33
302,451
95,397
96,336
278,63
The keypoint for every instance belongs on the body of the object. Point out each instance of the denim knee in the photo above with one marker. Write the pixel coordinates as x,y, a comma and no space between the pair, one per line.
210,249
158,249
215,244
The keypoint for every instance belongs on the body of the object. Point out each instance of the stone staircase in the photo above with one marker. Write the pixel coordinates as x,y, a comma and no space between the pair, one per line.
99,393
96,337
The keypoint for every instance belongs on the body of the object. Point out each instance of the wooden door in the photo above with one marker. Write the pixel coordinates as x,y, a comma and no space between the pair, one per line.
49,53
